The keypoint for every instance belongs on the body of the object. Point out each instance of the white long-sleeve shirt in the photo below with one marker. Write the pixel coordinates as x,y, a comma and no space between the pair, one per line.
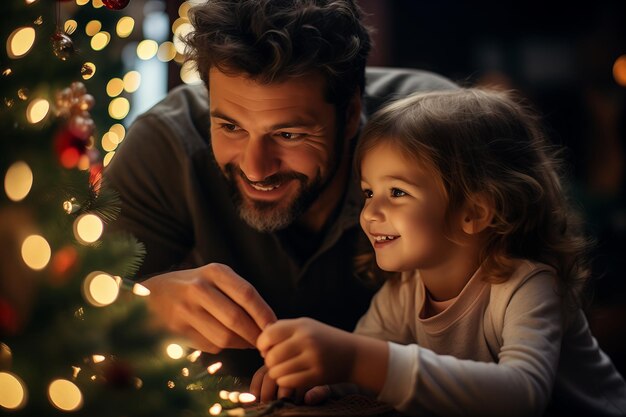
499,349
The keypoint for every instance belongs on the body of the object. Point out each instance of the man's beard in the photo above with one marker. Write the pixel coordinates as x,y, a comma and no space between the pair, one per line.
270,216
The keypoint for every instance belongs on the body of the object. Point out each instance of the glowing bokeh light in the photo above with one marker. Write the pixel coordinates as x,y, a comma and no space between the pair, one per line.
146,49
132,81
82,2
181,32
189,74
98,358
193,356
100,40
174,351
37,110
619,70
215,409
92,68
100,289
97,4
36,252
93,27
70,26
65,395
20,42
115,86
119,108
236,412
12,391
108,158
224,394
233,397
119,130
109,141
183,9
125,26
140,290
30,1
18,181
184,372
88,228
213,368
246,397
178,22
166,52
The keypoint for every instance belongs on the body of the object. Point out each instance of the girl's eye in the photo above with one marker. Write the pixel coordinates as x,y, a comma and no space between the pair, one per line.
368,193
396,192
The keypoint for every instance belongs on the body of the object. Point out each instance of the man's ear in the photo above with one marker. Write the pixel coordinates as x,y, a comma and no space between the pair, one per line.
477,214
353,114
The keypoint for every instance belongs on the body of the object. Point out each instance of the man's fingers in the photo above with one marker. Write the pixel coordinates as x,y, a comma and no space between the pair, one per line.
257,382
198,341
211,329
268,389
317,395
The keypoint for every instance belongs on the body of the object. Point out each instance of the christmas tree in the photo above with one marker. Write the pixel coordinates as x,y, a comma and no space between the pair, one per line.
75,335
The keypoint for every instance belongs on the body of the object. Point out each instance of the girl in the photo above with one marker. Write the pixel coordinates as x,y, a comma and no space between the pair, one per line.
463,199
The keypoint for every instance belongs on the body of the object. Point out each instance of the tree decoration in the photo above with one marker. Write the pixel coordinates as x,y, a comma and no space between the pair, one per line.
115,4
62,45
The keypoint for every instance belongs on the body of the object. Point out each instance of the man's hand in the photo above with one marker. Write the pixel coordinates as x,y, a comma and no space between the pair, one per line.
212,306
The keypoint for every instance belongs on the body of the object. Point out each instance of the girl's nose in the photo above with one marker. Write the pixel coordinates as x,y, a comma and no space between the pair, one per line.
373,211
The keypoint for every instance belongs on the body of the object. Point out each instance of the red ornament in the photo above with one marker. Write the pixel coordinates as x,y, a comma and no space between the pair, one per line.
63,265
69,148
9,322
115,4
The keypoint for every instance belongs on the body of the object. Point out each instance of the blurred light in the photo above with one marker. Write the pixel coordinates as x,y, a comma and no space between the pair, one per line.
115,86
180,33
215,409
18,181
7,72
125,26
38,21
184,372
132,81
93,27
65,395
92,67
224,394
237,412
22,93
36,252
75,371
20,41
119,108
97,358
138,383
179,22
109,141
193,356
174,351
100,289
189,74
140,290
30,1
97,4
70,26
214,367
100,40
233,397
619,70
107,158
12,391
82,2
119,130
147,49
246,397
183,10
37,110
171,384
88,228
179,58
156,25
166,51
83,163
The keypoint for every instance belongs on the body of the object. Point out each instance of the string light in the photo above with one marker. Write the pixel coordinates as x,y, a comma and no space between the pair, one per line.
36,252
119,131
125,26
98,358
65,395
189,73
88,228
12,391
114,87
100,40
214,367
70,26
193,356
223,394
119,108
171,384
246,397
166,51
81,2
88,71
180,33
146,49
75,371
183,9
108,158
140,290
215,409
18,181
97,4
184,372
233,397
109,141
20,42
238,412
174,351
132,80
37,110
100,289
93,27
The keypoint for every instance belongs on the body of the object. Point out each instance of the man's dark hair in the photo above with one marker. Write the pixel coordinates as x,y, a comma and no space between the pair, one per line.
273,40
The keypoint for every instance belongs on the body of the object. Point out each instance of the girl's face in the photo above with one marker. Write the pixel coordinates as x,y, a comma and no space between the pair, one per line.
404,211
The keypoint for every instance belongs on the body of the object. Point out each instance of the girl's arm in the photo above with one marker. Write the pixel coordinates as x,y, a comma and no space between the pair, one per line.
302,353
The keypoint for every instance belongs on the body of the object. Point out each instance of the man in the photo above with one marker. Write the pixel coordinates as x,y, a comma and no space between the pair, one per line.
247,195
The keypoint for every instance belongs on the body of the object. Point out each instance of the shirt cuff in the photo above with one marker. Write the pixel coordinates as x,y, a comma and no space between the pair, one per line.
401,375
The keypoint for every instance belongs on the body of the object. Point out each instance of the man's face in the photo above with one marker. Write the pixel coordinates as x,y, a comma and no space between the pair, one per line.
274,143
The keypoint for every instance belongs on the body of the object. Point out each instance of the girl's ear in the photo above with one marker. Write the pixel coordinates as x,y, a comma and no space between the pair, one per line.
477,214
353,115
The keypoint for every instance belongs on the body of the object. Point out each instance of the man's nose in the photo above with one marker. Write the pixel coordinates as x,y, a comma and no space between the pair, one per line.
259,159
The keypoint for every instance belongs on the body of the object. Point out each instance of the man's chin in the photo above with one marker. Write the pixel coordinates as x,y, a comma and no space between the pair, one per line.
267,217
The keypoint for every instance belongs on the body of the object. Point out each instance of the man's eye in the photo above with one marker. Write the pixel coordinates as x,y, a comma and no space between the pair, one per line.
291,135
368,193
230,127
396,192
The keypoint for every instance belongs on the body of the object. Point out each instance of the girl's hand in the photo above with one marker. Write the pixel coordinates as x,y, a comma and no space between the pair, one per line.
302,353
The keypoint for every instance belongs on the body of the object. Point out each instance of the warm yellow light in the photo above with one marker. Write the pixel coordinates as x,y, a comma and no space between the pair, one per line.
179,34
193,356
132,81
100,289
65,395
88,228
30,1
183,9
174,351
83,163
233,397
246,397
215,409
147,49
125,26
107,158
90,72
20,42
75,371
115,86
18,181
184,372
70,26
82,2
37,110
237,412
119,130
179,58
97,4
7,72
100,40
189,74
93,27
109,141
12,391
119,108
166,52
97,358
171,384
619,70
36,252
214,367
140,290
224,394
